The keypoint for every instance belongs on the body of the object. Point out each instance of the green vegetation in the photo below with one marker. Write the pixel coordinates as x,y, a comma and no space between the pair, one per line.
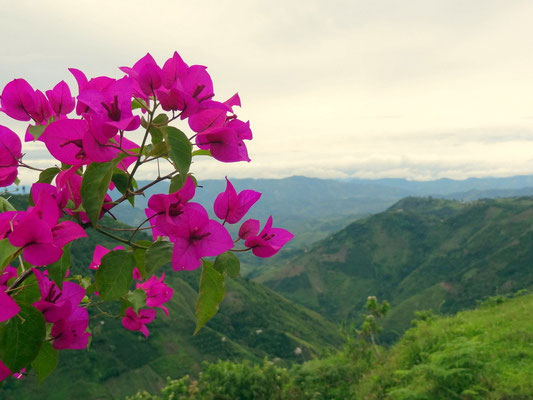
482,354
421,253
253,323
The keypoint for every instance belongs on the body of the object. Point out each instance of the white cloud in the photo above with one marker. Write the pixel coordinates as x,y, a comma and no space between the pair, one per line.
425,88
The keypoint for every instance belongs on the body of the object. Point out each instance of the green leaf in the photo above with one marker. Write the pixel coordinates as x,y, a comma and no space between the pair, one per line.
135,299
48,175
46,361
90,289
6,252
28,292
228,263
157,255
21,337
36,130
210,294
120,179
138,103
144,122
5,205
94,186
114,276
202,153
58,270
140,256
180,149
159,149
157,134
161,119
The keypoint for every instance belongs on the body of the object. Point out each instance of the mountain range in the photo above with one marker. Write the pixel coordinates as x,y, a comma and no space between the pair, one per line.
421,253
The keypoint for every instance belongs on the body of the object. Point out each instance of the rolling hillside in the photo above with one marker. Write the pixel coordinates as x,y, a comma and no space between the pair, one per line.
419,254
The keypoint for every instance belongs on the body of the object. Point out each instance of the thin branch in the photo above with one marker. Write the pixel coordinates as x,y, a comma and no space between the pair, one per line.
19,280
117,238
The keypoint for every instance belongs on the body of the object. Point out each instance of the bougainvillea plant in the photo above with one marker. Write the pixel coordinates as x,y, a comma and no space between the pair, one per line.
98,141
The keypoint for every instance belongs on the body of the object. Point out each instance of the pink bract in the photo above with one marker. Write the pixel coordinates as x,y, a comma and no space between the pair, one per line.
18,100
10,154
61,99
231,207
269,241
165,210
71,333
5,372
137,322
197,236
157,293
8,306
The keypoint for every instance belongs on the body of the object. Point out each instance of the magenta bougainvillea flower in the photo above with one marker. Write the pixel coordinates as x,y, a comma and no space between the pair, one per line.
197,236
43,111
57,304
41,237
184,88
268,242
137,322
104,115
71,333
112,104
61,99
80,141
64,140
18,100
231,207
249,228
48,201
8,306
226,143
157,292
61,307
99,83
165,210
10,154
213,114
173,69
147,75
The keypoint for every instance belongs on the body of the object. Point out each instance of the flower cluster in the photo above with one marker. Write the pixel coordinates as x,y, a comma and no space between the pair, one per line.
94,138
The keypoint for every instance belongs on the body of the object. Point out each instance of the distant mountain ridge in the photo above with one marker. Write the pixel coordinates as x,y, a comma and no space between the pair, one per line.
312,208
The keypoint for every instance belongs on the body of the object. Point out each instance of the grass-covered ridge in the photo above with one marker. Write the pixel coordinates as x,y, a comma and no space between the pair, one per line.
485,353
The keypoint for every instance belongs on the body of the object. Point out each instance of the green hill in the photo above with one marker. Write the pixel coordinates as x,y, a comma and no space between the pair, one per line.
421,253
253,322
486,353
482,354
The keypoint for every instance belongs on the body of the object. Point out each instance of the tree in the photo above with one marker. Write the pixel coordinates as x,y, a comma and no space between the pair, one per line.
44,308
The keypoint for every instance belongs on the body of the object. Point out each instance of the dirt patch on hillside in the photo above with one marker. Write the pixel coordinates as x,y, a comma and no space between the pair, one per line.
447,287
339,256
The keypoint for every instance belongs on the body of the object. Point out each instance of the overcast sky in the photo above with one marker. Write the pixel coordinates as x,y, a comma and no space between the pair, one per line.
420,89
